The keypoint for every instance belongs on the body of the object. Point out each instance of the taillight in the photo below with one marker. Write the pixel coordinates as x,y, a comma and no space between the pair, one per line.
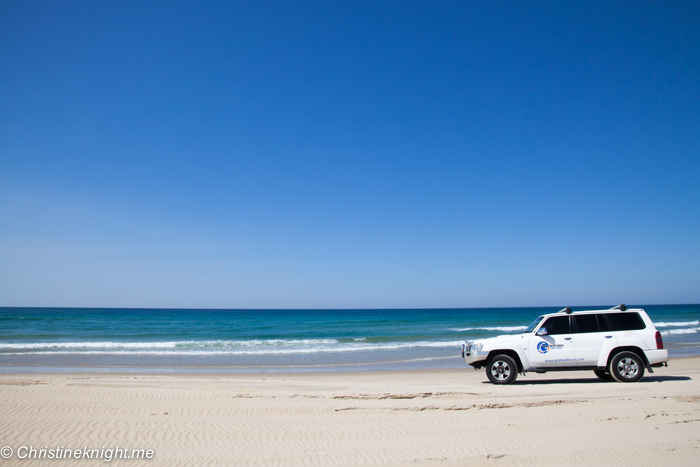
659,341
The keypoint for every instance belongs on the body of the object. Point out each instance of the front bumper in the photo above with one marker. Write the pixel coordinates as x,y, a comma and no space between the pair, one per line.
471,353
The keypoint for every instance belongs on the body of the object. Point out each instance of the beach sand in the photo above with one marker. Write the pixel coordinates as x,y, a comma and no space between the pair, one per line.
401,418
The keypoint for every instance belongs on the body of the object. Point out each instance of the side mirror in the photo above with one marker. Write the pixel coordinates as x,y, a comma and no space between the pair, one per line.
542,332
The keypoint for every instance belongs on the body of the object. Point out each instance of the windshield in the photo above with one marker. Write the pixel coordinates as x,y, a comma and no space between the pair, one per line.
534,324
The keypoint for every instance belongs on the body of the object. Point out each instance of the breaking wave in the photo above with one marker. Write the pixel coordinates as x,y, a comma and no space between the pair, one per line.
492,328
677,324
671,332
220,347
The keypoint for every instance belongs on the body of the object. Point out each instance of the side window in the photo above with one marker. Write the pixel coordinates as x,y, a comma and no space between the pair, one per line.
602,323
586,323
625,321
557,325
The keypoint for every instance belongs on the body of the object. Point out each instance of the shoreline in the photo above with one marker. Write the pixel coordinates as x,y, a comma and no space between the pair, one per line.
444,363
423,364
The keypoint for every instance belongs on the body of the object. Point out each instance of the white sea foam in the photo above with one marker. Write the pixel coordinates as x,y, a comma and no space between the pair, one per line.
492,328
676,324
195,348
680,331
166,345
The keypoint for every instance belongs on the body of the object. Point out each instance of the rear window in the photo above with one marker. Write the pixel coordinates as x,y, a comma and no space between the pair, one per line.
625,321
557,325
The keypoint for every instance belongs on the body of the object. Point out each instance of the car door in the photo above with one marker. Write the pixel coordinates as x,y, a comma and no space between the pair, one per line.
556,347
591,333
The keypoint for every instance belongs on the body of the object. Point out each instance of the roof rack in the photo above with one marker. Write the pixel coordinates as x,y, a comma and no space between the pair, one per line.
566,310
620,307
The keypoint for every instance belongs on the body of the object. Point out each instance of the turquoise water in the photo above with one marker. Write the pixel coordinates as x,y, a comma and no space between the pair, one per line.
275,340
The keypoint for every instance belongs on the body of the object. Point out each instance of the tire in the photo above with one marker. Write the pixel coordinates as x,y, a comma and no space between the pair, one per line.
604,375
502,369
627,367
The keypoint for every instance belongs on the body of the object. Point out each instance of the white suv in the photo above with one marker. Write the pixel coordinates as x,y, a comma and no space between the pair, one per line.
618,344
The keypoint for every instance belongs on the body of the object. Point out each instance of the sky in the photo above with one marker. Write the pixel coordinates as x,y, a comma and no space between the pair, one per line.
349,154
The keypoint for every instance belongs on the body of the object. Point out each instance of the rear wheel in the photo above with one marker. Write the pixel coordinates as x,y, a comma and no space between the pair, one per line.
604,375
502,369
627,367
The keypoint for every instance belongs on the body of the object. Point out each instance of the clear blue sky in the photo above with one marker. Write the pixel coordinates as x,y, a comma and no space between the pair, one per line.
349,154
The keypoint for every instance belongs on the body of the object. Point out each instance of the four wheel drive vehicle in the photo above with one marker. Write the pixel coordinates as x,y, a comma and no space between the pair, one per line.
618,344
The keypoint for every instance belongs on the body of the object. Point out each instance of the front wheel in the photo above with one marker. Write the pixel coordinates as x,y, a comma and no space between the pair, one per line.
627,367
502,369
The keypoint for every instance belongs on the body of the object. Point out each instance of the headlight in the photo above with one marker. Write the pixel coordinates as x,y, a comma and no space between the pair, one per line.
471,347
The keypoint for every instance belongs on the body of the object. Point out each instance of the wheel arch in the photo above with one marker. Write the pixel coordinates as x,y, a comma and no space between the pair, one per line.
511,353
626,348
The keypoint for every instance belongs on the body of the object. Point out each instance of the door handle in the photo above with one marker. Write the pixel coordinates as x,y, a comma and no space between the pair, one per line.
567,338
608,337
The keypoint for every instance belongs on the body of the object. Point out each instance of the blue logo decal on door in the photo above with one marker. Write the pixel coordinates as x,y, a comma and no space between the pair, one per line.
543,347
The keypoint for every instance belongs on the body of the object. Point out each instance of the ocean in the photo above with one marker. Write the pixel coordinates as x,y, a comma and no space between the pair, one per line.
173,340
